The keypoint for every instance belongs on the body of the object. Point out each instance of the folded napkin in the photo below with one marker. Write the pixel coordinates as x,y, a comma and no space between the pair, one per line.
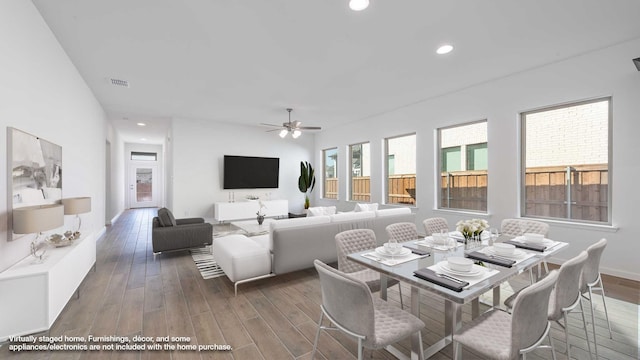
493,260
528,246
430,275
416,250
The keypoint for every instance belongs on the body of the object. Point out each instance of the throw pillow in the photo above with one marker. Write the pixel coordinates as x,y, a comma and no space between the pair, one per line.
321,210
165,218
366,207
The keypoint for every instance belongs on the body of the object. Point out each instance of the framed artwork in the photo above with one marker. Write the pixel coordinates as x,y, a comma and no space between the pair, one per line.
34,174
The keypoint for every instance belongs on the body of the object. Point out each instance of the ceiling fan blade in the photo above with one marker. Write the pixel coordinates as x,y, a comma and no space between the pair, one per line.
273,130
309,128
270,125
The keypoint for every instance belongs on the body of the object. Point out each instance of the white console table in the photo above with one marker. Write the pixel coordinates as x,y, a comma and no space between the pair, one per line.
224,211
33,295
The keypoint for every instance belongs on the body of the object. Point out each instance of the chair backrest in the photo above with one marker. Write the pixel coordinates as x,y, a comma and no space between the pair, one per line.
403,231
434,225
529,314
591,271
517,227
347,300
351,241
567,288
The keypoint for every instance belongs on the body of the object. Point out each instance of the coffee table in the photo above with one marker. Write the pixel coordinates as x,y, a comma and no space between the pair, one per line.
252,228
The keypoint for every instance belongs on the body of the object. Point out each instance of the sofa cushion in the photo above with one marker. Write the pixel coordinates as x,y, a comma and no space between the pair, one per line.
366,207
393,211
352,216
166,218
321,210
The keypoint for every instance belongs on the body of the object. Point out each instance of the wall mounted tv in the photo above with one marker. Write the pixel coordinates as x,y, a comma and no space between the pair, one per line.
250,172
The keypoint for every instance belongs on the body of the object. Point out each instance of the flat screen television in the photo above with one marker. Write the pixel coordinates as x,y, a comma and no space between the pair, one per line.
250,172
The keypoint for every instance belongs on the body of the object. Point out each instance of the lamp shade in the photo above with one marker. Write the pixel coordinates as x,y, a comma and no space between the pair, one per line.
78,205
34,219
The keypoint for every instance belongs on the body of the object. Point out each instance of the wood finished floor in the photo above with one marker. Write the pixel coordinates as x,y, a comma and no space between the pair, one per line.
131,293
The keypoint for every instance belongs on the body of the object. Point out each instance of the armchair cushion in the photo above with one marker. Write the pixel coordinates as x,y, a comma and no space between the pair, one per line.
166,218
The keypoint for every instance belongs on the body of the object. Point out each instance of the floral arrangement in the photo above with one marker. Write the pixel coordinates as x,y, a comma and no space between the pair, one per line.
471,228
262,206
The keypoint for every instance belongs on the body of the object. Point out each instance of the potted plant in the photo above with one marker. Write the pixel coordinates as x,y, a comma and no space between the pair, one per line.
306,181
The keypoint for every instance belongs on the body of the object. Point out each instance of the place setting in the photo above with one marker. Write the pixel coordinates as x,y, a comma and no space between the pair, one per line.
502,254
394,253
439,241
455,273
531,241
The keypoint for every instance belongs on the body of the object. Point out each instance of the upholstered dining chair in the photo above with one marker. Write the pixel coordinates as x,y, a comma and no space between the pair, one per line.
350,241
591,281
349,306
498,335
403,231
518,227
435,225
565,296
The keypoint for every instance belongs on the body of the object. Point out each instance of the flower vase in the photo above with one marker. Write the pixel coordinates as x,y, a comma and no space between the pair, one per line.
471,240
260,219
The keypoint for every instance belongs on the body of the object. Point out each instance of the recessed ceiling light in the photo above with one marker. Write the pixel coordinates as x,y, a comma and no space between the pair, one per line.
444,49
141,124
357,5
143,139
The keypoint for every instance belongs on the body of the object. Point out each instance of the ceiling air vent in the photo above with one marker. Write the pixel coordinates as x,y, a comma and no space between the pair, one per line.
118,82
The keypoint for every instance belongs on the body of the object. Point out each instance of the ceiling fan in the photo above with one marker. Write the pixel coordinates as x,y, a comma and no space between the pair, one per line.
292,127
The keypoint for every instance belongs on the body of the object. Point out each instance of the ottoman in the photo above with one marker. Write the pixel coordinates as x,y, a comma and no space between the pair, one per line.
242,259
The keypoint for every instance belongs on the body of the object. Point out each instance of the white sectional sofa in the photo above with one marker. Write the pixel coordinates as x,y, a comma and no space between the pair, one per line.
293,244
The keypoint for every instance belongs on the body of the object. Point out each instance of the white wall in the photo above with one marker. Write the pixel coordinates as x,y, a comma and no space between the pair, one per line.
608,72
116,174
42,93
198,148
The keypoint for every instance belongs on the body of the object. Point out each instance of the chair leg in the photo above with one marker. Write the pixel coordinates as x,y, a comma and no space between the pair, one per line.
457,350
553,349
593,322
606,313
315,342
566,334
400,291
359,349
584,325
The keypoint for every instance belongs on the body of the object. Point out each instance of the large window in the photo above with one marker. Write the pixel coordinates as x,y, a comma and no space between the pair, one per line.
463,167
566,160
360,172
401,169
330,161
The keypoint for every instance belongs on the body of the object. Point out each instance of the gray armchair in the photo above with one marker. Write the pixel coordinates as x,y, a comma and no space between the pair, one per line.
169,233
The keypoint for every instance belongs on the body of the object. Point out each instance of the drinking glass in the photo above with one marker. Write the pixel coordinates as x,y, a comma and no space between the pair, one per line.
494,236
394,248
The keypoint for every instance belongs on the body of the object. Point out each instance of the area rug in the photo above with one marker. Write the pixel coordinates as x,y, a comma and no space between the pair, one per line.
203,257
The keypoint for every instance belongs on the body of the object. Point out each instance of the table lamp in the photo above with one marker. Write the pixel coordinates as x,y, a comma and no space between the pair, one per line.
76,206
36,219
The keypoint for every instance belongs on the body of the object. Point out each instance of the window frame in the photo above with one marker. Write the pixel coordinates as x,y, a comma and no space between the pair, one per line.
386,168
523,161
324,174
463,152
350,181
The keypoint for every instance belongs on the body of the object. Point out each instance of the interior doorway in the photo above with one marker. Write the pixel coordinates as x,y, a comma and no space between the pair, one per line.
143,186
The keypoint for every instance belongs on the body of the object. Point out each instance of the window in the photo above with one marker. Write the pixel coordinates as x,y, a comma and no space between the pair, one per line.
401,169
330,161
360,172
144,156
566,158
463,167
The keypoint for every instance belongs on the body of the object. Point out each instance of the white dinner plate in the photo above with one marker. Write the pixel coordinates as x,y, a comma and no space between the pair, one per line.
475,269
545,241
429,242
517,253
403,252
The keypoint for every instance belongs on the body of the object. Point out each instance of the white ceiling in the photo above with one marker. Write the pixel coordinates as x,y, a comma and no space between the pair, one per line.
246,61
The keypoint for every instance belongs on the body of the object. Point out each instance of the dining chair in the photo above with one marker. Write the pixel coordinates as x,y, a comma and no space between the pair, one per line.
435,225
350,241
403,231
348,304
592,281
565,297
498,335
519,227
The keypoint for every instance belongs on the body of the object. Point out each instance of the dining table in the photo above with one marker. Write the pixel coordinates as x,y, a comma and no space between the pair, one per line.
425,268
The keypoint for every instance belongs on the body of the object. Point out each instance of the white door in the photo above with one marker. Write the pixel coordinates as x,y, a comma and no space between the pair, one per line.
143,186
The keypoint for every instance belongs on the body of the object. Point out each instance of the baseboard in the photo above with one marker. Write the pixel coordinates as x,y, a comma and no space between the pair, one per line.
115,218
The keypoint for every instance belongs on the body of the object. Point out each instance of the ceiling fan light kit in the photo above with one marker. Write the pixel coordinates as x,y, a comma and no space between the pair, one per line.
358,5
292,127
